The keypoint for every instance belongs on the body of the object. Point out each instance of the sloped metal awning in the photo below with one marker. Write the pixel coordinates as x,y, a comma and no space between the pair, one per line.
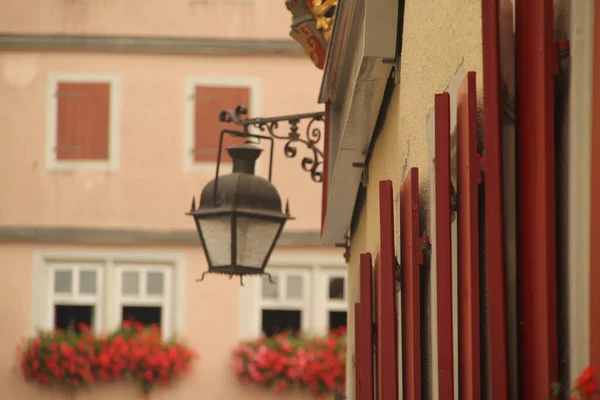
359,61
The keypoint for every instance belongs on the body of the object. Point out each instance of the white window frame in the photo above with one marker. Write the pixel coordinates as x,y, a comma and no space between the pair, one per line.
281,303
317,267
165,300
329,304
108,313
75,298
252,83
114,134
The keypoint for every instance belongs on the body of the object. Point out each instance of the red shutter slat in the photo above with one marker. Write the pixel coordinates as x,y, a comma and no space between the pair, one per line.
536,198
209,102
387,327
366,315
594,201
443,244
325,163
412,257
358,352
494,211
83,119
469,175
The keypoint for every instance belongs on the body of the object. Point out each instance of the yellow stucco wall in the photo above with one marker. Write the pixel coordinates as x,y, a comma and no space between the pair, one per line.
439,37
441,40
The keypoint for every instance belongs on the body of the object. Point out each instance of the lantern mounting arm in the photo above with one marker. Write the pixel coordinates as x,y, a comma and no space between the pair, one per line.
310,138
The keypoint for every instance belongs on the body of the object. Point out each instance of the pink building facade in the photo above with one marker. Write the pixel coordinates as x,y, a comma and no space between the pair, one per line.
109,112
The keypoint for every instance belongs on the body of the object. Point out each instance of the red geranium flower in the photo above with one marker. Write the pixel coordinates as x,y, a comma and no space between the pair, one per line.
73,358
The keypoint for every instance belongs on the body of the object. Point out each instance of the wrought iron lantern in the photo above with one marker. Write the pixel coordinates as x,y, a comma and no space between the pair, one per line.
239,216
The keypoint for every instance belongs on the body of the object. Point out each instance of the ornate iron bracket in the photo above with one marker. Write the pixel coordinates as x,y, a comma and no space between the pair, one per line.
313,163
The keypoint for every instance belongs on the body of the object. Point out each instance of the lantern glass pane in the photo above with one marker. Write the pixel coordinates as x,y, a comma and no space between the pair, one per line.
255,237
216,232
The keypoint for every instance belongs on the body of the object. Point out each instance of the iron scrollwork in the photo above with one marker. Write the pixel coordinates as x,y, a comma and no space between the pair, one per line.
312,163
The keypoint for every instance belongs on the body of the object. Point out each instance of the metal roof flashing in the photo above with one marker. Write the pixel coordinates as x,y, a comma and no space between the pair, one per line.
354,80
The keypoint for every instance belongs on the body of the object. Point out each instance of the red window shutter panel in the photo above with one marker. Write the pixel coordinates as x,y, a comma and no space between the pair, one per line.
83,120
494,208
595,200
325,164
536,197
209,102
443,244
387,326
358,352
412,257
469,176
366,315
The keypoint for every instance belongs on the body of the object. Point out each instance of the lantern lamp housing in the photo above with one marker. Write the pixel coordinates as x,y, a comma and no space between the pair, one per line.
239,217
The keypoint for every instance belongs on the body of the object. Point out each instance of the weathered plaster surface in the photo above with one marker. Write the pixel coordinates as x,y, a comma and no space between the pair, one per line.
441,41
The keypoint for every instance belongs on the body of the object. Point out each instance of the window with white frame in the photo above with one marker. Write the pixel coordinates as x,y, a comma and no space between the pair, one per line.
206,98
144,294
335,302
83,119
76,294
103,291
309,299
285,301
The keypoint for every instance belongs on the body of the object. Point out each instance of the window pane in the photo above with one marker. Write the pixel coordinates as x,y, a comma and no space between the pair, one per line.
337,319
155,283
66,316
270,290
294,287
63,281
336,288
87,282
280,321
131,283
146,315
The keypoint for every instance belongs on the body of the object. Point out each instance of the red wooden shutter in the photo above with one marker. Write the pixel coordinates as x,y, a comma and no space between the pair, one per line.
366,329
494,211
469,176
387,326
325,163
594,201
443,245
536,198
358,352
412,258
83,118
210,101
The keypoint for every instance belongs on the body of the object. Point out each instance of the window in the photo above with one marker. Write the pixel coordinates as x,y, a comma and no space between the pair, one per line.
144,294
82,122
207,98
335,303
309,298
75,296
102,291
285,301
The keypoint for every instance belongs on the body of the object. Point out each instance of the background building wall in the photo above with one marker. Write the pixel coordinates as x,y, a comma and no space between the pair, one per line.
151,188
211,326
205,18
